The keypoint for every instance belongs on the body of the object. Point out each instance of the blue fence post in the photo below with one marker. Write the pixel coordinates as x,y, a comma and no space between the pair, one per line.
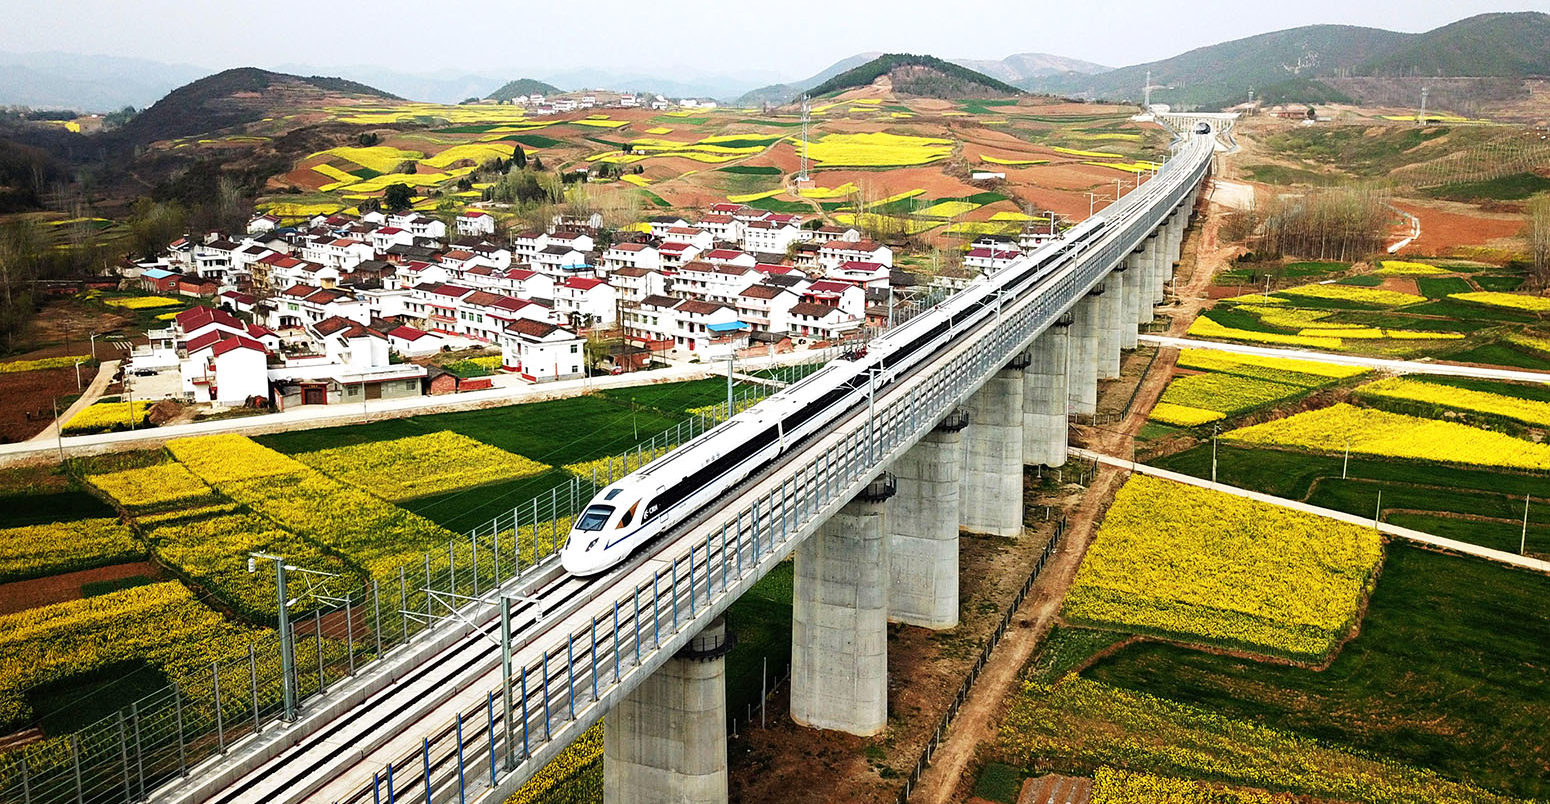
570,673
462,795
376,789
526,752
490,715
427,756
390,782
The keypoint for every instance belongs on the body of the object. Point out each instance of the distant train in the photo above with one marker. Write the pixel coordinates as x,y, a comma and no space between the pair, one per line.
637,508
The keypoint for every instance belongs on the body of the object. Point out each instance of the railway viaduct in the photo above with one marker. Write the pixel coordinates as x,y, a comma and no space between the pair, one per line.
871,509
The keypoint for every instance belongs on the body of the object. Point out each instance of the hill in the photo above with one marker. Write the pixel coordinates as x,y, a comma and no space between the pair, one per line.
1512,45
1027,66
522,86
1292,65
783,93
1223,74
918,76
232,98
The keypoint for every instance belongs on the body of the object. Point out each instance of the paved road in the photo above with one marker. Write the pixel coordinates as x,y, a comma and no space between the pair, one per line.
93,392
1451,545
1381,364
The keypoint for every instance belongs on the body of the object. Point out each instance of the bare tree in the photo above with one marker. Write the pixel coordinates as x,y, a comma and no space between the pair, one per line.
1336,224
1538,214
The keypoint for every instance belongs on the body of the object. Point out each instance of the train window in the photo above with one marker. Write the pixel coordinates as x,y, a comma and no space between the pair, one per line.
612,494
594,517
629,516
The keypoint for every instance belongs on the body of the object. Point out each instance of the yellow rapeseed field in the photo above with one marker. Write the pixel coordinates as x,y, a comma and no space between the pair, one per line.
380,158
144,302
1536,304
1403,268
1392,435
1086,723
1183,416
37,551
18,366
1116,786
1223,570
108,416
419,466
878,149
152,486
53,643
1354,293
378,536
1519,409
1281,369
1203,327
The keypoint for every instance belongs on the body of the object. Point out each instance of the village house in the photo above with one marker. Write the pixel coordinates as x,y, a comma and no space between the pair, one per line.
766,308
848,298
699,238
673,255
539,351
819,322
224,369
634,284
585,302
660,224
831,255
829,234
411,342
989,259
630,255
771,236
475,222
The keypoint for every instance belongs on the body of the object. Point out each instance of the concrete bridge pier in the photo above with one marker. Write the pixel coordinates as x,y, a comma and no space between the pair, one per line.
1161,265
839,619
992,492
923,528
1148,261
667,740
1046,397
1082,376
1134,277
1111,307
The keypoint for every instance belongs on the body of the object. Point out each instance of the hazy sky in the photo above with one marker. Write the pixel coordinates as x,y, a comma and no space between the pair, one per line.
785,40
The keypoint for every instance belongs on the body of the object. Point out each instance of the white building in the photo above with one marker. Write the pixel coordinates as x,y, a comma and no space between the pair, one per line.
475,222
541,352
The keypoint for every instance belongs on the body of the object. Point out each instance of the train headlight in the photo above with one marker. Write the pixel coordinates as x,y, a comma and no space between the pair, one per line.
591,545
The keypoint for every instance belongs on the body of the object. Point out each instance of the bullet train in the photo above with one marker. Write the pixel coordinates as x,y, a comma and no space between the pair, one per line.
644,504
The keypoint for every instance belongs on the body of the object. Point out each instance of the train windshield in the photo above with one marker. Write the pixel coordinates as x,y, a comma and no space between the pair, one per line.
594,517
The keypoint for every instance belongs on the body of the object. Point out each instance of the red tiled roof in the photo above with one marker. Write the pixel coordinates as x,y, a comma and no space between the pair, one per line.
205,340
527,326
237,342
407,333
196,317
697,307
813,310
723,254
583,283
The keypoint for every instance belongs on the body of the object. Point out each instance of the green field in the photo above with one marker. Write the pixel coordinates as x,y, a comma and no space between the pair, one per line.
1406,487
1437,678
1514,187
556,432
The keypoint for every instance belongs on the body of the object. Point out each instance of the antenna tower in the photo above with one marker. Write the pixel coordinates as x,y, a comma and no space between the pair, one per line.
802,175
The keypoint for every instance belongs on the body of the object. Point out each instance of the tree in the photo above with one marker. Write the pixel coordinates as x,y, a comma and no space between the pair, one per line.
154,224
519,158
398,197
538,163
366,139
22,247
1538,213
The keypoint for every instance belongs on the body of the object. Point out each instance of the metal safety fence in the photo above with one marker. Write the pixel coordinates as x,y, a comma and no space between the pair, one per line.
912,781
336,627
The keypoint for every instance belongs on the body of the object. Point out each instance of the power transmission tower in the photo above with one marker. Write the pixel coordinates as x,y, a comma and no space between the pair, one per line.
1146,92
1421,119
802,174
